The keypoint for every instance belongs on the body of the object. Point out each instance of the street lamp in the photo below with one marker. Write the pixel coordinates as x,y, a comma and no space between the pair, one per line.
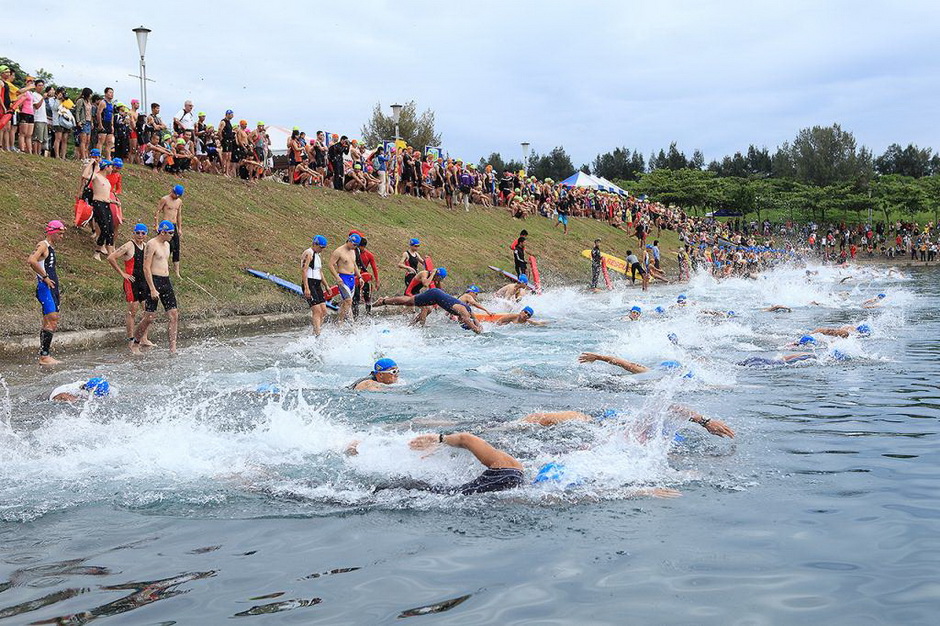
525,155
142,33
396,114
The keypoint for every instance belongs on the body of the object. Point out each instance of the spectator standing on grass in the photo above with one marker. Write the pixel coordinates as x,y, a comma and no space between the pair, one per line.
337,153
63,123
184,119
104,122
41,120
227,140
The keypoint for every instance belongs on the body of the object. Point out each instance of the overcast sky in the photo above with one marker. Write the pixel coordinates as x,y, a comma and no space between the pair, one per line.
588,75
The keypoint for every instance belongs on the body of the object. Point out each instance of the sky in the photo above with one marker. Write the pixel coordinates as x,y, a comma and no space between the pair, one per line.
589,75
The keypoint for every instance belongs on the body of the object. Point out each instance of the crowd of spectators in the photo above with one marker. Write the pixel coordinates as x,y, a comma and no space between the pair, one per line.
43,120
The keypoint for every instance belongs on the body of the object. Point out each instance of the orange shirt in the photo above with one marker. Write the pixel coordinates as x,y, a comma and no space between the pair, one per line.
115,179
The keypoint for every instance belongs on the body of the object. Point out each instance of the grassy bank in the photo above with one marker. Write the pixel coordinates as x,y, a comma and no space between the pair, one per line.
228,225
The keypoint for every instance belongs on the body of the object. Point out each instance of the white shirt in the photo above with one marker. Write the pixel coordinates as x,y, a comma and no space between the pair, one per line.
39,109
314,270
186,120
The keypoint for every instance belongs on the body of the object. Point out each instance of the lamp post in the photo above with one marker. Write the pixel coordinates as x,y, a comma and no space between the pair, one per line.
525,156
142,33
396,115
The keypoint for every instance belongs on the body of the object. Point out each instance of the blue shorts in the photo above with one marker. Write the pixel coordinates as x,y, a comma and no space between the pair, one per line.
440,298
48,298
348,286
563,219
85,128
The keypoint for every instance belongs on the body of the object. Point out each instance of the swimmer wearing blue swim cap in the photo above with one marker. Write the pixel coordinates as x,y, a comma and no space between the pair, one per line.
384,373
635,313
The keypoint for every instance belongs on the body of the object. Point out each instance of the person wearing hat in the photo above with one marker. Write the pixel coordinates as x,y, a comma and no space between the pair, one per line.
101,209
170,209
410,261
343,265
311,273
514,290
469,298
384,373
435,296
227,142
43,262
96,387
135,285
159,287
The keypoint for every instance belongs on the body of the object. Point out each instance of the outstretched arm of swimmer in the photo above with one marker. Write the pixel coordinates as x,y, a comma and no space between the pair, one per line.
550,419
630,366
778,307
484,452
715,427
830,332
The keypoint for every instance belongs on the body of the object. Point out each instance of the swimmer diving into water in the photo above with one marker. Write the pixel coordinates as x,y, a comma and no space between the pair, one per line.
436,296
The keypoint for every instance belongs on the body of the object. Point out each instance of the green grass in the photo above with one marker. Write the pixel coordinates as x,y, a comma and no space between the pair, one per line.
228,226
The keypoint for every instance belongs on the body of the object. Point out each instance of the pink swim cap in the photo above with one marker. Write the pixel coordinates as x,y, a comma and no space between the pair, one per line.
54,225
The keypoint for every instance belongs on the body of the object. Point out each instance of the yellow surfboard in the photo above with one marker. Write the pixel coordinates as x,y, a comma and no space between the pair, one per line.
613,263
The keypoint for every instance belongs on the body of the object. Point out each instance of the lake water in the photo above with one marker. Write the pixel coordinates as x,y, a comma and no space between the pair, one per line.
191,498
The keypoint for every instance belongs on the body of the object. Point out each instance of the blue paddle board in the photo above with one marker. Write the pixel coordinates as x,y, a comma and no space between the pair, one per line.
284,284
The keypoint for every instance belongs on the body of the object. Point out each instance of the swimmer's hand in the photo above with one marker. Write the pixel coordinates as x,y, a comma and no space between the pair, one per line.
719,428
424,442
589,357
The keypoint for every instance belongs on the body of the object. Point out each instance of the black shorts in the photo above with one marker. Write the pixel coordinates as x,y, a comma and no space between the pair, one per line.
107,127
25,118
167,296
638,268
228,144
316,291
175,246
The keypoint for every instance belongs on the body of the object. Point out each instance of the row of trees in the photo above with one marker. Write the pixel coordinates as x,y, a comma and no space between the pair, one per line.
888,197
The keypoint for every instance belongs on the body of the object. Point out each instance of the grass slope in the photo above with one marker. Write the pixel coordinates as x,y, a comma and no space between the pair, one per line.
228,225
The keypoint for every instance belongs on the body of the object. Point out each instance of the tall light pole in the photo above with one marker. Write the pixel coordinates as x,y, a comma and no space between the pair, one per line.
525,156
142,33
396,115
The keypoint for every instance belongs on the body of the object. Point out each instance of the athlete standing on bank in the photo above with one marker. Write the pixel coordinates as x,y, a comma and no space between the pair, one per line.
170,208
311,272
135,285
157,275
43,262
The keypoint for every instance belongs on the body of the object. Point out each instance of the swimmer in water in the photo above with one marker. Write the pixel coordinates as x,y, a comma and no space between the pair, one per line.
469,298
436,296
871,303
634,315
503,471
718,313
630,366
714,426
514,290
384,373
862,330
786,359
778,308
73,392
681,300
522,317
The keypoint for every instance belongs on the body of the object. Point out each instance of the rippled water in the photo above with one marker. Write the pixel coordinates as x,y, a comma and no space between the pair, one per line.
191,498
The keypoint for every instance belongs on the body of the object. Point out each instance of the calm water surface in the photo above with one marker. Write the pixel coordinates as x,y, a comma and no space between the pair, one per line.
191,498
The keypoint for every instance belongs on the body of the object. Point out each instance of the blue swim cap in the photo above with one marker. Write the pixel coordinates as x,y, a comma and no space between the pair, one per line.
730,313
807,339
863,329
680,297
523,279
166,226
473,289
670,365
660,309
881,296
319,240
354,239
179,189
672,337
383,365
607,414
267,388
553,472
839,355
103,163
140,228
441,272
528,311
99,386
415,242
636,309
95,152
118,163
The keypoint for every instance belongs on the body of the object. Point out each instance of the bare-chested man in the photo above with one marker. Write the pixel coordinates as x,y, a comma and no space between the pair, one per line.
514,290
101,209
43,262
170,209
343,265
135,286
157,275
469,298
